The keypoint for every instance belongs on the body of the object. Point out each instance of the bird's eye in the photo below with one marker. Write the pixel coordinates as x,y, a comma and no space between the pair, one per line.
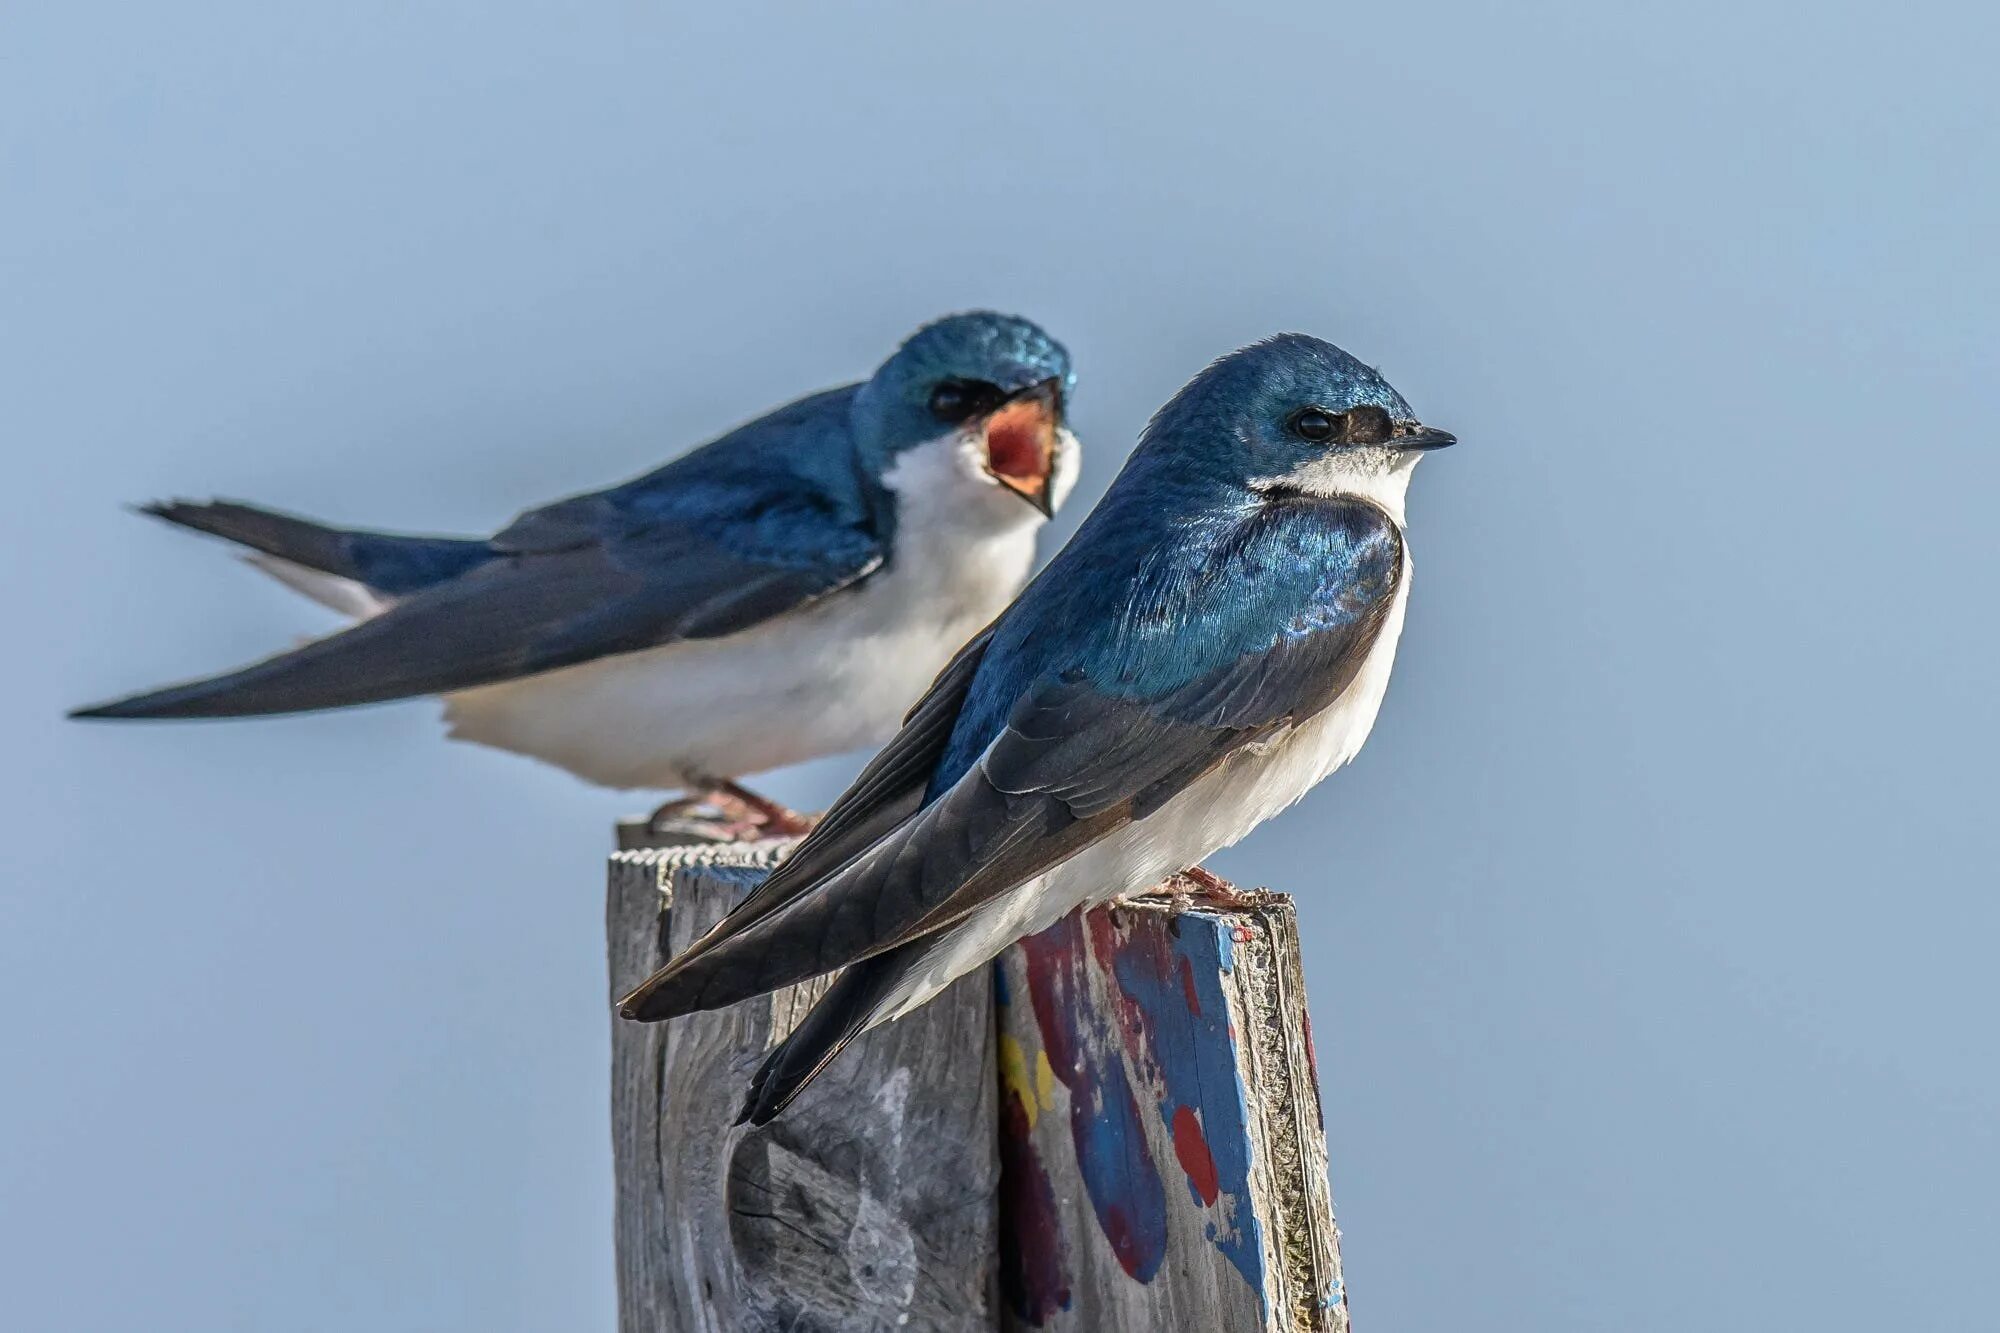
1368,424
955,400
1315,424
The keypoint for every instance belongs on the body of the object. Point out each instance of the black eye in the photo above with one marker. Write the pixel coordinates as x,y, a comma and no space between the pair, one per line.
1315,424
955,400
1368,424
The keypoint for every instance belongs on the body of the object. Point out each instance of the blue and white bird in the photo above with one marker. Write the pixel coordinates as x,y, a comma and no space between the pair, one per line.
1214,640
779,594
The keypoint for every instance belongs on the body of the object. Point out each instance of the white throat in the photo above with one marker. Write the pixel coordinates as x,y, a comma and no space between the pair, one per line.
943,484
1382,478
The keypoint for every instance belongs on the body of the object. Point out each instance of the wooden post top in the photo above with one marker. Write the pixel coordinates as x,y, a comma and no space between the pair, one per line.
1117,1130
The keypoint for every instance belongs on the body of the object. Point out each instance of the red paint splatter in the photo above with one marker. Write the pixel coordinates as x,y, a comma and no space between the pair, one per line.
1031,1247
1105,1122
1051,960
1142,950
1126,1245
1195,1158
1312,1065
1140,955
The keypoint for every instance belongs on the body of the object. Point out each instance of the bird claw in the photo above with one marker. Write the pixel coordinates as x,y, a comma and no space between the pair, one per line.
726,812
1200,887
701,819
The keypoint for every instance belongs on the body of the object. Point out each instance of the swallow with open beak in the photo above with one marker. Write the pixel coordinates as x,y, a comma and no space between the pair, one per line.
779,594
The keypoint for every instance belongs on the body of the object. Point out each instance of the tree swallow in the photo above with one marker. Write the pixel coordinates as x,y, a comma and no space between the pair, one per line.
1214,640
779,594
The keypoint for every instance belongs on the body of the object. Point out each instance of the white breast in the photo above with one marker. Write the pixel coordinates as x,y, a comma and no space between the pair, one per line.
834,677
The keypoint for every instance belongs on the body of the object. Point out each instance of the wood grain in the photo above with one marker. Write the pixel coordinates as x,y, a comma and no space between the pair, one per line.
868,1206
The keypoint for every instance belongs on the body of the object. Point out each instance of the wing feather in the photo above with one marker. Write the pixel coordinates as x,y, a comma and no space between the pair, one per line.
1074,760
529,612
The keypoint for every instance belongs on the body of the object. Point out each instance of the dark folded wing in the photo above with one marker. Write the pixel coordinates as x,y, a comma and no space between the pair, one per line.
614,586
1074,761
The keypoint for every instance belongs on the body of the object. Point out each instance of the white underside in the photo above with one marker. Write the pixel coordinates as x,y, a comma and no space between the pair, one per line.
1216,811
835,676
329,590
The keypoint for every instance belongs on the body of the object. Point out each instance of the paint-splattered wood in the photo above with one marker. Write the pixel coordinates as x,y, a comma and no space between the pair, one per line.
870,1205
1163,1159
1158,1121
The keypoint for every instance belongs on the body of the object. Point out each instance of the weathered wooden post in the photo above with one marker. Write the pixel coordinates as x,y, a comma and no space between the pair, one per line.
868,1205
1115,1130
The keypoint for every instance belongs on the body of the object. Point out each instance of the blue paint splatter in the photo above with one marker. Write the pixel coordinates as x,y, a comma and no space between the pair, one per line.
1175,1013
1117,1168
1104,1117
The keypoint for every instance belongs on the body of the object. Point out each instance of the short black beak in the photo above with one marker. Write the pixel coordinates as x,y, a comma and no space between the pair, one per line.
1417,439
1048,392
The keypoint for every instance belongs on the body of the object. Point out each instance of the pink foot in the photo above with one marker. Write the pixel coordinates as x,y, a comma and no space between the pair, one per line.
1213,890
732,814
778,821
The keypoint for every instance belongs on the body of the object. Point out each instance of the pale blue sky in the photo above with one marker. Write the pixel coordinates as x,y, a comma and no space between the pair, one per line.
1651,940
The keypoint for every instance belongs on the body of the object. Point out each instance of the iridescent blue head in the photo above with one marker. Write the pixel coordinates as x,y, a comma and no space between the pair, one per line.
996,386
1292,412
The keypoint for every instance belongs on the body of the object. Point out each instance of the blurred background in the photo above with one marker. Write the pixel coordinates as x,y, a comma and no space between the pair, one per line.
1652,938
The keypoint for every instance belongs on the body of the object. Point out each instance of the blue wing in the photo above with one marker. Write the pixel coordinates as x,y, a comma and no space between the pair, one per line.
1131,667
749,527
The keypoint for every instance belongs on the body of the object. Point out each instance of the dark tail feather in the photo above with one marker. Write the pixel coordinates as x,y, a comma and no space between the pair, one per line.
388,562
845,916
842,1014
767,955
762,957
713,979
299,540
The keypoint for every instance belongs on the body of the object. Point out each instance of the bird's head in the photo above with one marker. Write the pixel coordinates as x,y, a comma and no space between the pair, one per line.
1295,413
992,388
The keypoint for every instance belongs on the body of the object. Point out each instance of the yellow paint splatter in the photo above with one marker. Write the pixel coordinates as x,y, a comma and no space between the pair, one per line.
1014,1074
1045,1083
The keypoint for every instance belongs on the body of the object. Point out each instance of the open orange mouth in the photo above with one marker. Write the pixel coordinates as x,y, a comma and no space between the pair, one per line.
1021,448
